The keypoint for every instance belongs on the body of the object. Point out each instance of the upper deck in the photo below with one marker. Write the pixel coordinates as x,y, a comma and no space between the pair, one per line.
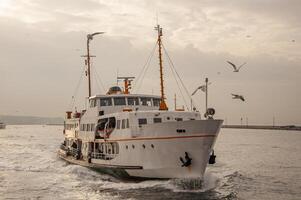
106,104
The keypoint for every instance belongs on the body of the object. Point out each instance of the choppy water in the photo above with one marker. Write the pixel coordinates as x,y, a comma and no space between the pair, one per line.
251,164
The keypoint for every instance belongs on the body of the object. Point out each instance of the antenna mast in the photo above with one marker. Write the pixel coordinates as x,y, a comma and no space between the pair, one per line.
163,105
89,38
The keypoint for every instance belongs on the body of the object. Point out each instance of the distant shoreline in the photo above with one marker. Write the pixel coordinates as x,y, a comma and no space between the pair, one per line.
288,128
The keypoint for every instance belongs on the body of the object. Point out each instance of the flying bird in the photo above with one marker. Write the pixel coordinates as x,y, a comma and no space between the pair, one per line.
202,87
236,96
236,69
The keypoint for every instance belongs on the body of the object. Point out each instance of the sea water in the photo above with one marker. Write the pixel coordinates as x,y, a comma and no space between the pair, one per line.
251,164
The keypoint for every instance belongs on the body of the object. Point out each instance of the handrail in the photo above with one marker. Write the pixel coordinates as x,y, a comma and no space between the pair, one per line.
102,156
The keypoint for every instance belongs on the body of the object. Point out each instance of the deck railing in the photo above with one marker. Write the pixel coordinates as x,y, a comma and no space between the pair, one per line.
103,156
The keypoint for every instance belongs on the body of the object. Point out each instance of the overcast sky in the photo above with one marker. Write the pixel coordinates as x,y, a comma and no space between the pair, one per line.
41,42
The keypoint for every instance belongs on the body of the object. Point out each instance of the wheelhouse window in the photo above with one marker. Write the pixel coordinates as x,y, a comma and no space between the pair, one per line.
144,101
123,124
157,120
142,121
92,103
127,123
119,101
118,124
156,102
105,102
133,101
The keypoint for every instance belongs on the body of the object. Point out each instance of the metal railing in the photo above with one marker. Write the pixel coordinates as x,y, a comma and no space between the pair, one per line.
102,156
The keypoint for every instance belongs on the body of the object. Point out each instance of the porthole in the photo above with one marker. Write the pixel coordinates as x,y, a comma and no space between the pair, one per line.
152,146
168,118
143,146
126,146
133,146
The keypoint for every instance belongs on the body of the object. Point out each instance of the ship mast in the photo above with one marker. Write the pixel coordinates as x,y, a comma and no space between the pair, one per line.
89,38
163,105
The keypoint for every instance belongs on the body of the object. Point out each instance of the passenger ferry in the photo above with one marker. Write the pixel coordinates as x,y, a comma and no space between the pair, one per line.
135,135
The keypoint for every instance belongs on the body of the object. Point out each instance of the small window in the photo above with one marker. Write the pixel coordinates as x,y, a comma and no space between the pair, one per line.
127,123
105,102
145,101
118,124
157,120
156,102
119,101
92,127
100,113
88,127
123,124
133,101
142,121
178,119
92,103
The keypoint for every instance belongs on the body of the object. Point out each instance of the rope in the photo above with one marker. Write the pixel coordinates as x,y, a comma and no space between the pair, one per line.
72,102
98,80
173,69
144,70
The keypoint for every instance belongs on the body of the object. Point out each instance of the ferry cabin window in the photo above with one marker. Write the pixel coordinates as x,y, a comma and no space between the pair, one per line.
118,124
105,102
157,120
142,121
88,127
145,101
127,123
133,101
156,102
119,101
178,119
123,124
92,103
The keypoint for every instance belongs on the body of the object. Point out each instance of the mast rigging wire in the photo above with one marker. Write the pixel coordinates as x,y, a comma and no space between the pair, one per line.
175,71
98,79
72,102
142,73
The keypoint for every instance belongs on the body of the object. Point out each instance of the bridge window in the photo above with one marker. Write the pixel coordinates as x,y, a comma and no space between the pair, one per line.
156,102
127,123
92,103
123,124
133,101
157,120
105,102
144,101
118,124
119,101
142,121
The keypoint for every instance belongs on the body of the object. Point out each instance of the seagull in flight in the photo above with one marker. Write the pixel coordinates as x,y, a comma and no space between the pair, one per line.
236,69
236,96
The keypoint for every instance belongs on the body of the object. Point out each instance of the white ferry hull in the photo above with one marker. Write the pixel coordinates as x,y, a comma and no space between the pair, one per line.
157,153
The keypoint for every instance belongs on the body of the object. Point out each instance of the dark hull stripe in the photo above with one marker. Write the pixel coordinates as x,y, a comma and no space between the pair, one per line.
159,138
96,165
